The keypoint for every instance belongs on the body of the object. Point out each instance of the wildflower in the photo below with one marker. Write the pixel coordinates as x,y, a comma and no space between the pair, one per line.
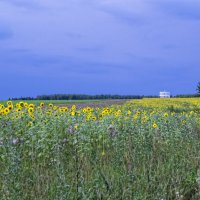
15,141
111,127
1,142
112,130
65,140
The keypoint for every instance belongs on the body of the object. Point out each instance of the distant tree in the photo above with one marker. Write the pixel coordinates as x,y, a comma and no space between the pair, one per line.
198,88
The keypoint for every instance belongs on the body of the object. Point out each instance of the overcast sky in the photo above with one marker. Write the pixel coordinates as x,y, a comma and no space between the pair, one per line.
99,47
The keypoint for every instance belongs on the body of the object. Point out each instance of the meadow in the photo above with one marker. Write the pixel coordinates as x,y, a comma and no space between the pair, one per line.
55,102
145,149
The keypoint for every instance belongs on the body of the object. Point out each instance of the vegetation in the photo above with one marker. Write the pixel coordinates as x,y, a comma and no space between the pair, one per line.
143,150
198,88
78,97
187,96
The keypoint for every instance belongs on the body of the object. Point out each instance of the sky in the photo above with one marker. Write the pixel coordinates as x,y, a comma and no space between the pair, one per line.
127,47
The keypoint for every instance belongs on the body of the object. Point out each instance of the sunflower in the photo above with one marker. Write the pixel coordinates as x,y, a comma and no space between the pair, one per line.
41,104
55,107
9,103
73,113
6,111
32,116
30,110
48,112
73,107
22,114
10,107
154,125
21,103
18,109
30,124
39,108
18,105
1,106
76,127
166,115
31,105
26,105
65,109
51,105
94,118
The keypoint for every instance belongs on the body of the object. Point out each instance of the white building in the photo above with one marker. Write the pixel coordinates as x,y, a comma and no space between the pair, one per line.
164,94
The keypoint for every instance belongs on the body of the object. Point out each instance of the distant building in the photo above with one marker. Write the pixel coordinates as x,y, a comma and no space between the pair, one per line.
164,94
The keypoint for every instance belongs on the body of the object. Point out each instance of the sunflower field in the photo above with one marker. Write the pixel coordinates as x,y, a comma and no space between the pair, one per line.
145,149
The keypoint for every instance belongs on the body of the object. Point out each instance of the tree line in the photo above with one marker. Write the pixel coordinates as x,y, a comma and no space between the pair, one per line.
101,96
82,97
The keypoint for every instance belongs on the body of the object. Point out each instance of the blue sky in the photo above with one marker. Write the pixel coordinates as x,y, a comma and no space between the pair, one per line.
99,47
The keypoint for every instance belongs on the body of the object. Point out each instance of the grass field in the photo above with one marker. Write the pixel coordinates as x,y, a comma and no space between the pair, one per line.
55,102
143,150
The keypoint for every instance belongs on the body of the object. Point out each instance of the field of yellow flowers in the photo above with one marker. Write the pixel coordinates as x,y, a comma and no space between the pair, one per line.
145,149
